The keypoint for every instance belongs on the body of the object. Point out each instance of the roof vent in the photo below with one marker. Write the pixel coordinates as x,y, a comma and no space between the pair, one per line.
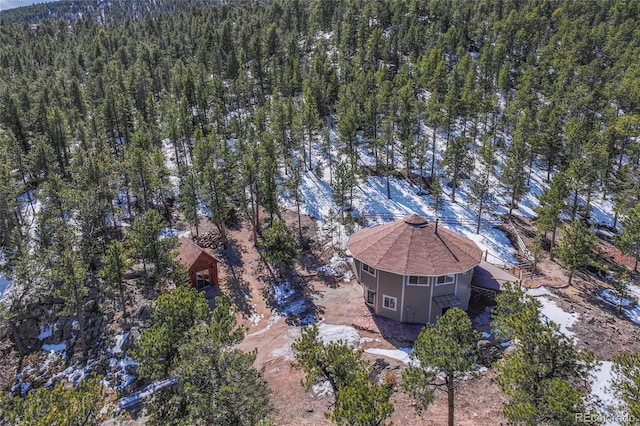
416,221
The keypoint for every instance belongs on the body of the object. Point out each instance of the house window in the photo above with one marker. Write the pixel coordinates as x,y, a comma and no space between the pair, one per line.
368,269
415,280
445,279
371,297
202,279
389,302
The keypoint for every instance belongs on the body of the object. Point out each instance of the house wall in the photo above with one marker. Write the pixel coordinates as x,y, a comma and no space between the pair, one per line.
460,288
389,285
416,303
463,291
204,262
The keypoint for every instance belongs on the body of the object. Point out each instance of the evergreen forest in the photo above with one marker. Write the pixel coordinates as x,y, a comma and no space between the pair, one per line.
245,97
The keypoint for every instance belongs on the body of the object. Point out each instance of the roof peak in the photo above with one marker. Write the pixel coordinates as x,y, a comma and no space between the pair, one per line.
416,220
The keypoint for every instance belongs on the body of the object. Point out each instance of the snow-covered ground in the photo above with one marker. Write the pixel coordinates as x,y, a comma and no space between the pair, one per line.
601,390
628,307
401,354
292,304
4,285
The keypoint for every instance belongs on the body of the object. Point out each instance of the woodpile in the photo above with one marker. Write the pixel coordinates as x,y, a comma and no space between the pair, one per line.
209,240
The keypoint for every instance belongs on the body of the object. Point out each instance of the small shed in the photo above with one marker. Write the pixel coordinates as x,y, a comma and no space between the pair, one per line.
201,265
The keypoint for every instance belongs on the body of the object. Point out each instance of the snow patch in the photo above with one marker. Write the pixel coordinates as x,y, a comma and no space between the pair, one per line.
552,312
601,391
117,347
329,333
322,389
290,306
629,307
613,298
5,284
539,291
400,354
255,318
45,332
632,313
286,351
59,348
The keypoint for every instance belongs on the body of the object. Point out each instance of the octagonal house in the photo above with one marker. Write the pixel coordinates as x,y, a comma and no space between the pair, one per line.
411,270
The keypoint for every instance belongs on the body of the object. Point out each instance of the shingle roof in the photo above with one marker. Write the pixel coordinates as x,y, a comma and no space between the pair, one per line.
411,246
188,252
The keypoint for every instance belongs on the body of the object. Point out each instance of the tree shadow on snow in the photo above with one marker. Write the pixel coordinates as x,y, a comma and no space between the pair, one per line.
292,298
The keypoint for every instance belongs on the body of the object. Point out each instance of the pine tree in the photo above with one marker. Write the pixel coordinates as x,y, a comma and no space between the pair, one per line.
343,183
279,246
552,201
208,162
70,272
444,352
626,190
437,195
268,175
629,239
87,403
188,196
218,383
514,176
626,385
577,247
457,160
542,378
359,400
481,197
147,243
172,316
293,185
114,265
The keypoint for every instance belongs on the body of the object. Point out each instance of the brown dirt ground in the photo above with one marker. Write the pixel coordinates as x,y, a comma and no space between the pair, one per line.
478,402
336,302
600,327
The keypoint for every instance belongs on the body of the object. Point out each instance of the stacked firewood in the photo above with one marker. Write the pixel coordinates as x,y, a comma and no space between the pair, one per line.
210,240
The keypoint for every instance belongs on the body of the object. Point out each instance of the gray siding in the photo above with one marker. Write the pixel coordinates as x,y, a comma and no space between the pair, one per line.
464,290
416,304
389,285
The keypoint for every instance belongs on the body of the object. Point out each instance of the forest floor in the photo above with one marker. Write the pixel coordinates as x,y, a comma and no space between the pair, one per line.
337,301
601,327
334,301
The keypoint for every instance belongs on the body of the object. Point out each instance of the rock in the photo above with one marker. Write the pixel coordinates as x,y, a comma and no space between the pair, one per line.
132,338
133,274
488,352
100,367
92,333
91,306
143,313
510,349
29,329
128,342
62,329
